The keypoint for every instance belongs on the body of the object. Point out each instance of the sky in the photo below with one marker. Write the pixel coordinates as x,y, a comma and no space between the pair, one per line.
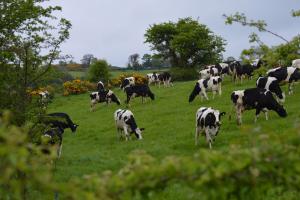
114,29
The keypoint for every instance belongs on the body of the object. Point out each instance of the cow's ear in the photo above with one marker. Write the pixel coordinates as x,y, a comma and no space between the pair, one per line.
142,129
222,113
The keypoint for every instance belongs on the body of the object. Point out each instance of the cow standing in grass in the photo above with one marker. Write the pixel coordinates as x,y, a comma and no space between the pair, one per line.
153,78
138,91
285,75
255,98
272,84
165,78
107,96
58,122
213,84
125,123
208,121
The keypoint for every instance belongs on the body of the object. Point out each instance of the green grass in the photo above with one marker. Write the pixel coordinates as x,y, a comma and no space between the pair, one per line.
169,121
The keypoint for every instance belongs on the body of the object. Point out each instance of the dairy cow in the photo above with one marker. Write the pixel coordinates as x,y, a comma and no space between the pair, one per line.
272,84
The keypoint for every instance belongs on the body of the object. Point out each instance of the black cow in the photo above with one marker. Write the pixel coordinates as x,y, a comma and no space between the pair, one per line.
58,122
272,84
103,96
165,78
208,121
237,70
138,91
255,98
285,75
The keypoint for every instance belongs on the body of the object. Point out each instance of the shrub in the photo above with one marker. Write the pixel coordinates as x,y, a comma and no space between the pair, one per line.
99,70
139,79
77,86
183,74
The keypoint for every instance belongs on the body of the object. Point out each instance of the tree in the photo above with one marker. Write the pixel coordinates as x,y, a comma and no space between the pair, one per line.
133,61
30,38
147,61
87,60
186,43
99,70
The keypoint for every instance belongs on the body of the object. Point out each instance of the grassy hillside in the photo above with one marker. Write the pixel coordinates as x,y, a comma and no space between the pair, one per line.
169,121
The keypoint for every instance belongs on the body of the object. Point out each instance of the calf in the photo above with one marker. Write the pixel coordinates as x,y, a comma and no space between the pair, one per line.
153,78
211,84
107,96
296,63
272,84
58,122
165,78
255,98
125,122
285,75
138,91
208,121
127,82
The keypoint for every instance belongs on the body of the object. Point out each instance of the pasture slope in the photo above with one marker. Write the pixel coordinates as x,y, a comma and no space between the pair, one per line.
169,121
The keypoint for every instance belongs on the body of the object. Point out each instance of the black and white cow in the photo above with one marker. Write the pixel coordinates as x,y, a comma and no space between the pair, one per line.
44,98
213,84
165,78
58,122
138,91
255,98
296,63
100,86
237,70
153,78
107,96
272,84
208,121
125,122
285,75
127,82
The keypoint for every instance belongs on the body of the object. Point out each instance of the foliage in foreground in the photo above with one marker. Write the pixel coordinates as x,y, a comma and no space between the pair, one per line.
271,165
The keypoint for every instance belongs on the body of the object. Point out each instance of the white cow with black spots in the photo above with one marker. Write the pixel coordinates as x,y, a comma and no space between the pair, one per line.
126,124
208,122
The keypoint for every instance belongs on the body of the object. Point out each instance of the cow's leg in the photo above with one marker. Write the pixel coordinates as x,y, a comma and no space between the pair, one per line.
239,114
198,130
257,114
93,106
290,88
266,113
220,89
208,138
59,150
127,136
214,93
205,95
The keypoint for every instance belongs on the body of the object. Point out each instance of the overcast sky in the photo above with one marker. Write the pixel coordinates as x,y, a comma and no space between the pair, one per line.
114,29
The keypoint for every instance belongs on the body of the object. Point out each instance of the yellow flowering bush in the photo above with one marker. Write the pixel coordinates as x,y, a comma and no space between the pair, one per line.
139,79
77,86
35,92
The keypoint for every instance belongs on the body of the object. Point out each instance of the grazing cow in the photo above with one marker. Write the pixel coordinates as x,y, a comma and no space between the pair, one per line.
100,86
125,122
138,91
272,84
208,121
257,63
237,70
153,78
127,82
285,75
165,78
58,122
210,84
107,96
296,63
255,98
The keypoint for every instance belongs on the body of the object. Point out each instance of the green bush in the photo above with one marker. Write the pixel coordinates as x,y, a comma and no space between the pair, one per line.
99,70
183,74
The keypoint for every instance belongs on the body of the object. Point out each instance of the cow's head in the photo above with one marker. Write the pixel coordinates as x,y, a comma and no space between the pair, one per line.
281,111
138,133
74,127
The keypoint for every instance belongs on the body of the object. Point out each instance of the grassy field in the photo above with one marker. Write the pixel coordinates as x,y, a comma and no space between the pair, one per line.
169,123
